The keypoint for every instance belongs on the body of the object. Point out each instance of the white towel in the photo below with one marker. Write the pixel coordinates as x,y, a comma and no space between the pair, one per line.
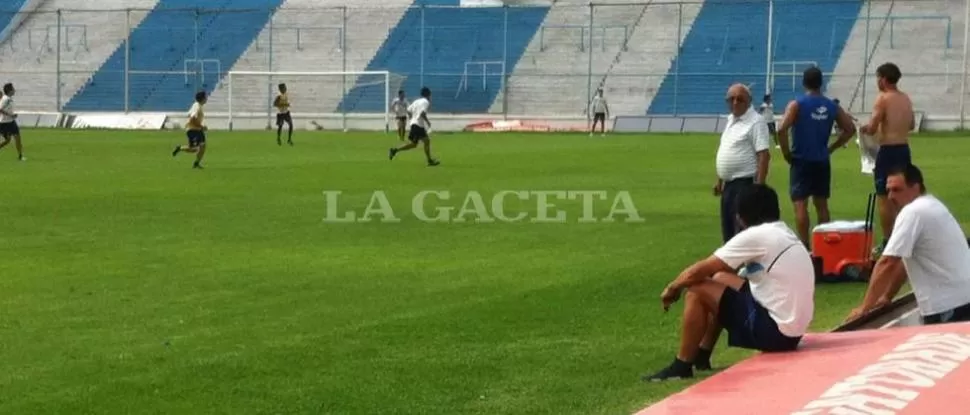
868,148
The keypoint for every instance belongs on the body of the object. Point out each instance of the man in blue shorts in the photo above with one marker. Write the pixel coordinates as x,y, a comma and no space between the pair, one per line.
810,118
768,306
892,120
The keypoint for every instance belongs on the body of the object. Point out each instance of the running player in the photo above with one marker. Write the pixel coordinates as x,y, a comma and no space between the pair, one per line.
282,104
892,120
195,131
420,125
399,107
810,118
601,111
8,121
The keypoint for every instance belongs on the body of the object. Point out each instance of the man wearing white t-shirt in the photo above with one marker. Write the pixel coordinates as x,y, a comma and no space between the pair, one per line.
928,246
420,128
767,306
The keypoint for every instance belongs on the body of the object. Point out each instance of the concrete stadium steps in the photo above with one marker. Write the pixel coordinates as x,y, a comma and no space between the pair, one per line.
915,38
635,79
452,36
89,35
157,81
306,38
723,47
551,77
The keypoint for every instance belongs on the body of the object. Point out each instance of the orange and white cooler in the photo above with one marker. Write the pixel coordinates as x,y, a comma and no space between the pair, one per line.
842,247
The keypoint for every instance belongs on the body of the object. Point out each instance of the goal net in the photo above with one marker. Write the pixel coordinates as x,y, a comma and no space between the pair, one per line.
314,96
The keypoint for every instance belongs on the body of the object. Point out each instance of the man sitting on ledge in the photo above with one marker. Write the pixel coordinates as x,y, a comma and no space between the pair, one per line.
926,246
767,306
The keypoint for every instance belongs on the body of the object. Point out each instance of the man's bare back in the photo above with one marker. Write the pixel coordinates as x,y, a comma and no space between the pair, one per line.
896,111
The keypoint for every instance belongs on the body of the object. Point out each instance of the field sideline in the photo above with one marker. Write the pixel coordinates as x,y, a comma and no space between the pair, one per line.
134,284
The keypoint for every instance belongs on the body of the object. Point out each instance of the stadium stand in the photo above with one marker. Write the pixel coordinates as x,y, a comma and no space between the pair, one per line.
462,62
634,52
723,47
200,46
921,38
307,37
28,58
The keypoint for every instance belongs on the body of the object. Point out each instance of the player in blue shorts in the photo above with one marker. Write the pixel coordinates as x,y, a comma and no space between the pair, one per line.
891,122
9,130
195,131
810,118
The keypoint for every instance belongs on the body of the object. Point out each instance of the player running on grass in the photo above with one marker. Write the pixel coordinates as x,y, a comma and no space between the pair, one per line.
420,125
282,104
8,121
195,131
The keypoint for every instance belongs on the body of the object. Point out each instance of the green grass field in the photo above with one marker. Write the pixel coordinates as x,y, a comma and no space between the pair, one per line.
134,284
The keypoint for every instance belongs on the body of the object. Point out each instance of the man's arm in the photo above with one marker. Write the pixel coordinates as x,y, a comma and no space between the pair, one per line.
742,248
887,278
276,101
791,115
846,126
699,272
424,116
878,115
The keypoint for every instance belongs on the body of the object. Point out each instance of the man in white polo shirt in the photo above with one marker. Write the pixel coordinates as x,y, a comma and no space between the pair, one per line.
742,156
927,245
768,306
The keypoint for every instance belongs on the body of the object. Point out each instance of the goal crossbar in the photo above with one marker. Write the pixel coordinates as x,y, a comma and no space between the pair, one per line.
385,76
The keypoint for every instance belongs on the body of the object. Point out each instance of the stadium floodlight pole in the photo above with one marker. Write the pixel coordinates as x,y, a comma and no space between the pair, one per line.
589,69
269,85
58,87
127,85
343,54
769,66
963,71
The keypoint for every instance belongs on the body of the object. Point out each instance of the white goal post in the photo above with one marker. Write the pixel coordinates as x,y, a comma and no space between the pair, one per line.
313,95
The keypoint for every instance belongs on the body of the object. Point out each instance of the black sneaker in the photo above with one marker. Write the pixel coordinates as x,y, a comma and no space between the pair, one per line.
433,163
279,142
197,165
391,153
290,142
676,371
704,366
176,151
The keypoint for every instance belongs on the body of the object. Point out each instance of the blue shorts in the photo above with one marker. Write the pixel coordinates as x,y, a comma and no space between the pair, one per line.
749,325
9,129
196,137
888,158
958,314
809,179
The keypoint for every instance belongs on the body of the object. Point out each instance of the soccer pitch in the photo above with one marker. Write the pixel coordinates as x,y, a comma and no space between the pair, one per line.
134,284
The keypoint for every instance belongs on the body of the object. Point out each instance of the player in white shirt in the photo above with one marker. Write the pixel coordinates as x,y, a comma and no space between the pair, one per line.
8,121
420,127
601,111
767,110
399,107
195,130
928,246
768,306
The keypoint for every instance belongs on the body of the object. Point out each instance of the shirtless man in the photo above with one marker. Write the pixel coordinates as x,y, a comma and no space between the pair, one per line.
892,120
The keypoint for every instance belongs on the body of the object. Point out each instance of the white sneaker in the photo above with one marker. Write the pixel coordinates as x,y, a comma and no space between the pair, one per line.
22,158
